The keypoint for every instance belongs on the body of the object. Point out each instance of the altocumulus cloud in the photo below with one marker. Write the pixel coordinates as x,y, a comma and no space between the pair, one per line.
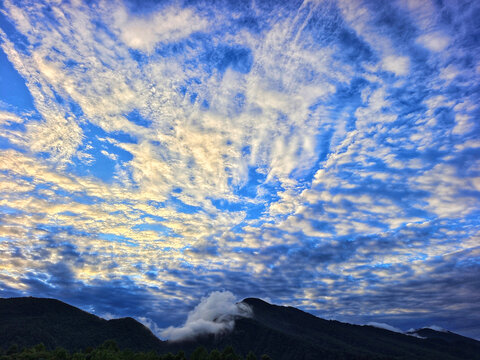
215,314
324,155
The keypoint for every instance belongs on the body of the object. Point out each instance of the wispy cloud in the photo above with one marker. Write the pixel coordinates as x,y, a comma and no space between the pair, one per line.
384,326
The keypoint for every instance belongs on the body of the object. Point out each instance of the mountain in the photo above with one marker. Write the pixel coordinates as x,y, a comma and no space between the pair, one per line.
440,334
284,333
447,337
287,333
29,321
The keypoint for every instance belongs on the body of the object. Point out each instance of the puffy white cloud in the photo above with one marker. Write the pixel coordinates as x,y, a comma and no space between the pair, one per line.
214,314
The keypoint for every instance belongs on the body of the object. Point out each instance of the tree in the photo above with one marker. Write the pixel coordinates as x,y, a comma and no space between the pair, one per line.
78,356
60,354
39,348
12,349
229,354
110,345
180,356
251,356
265,357
215,355
168,356
200,353
127,354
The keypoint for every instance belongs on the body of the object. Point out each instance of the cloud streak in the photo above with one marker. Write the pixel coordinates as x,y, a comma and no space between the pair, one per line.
385,326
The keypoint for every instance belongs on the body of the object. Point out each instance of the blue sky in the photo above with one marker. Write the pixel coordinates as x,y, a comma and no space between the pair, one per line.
319,154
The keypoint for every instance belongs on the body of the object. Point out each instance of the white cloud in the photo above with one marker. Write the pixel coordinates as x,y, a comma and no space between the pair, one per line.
362,20
399,65
111,156
463,124
7,117
436,328
412,332
435,41
287,108
423,13
143,32
385,326
214,314
149,323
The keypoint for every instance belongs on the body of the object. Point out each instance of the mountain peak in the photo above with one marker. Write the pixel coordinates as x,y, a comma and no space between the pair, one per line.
255,301
28,321
282,332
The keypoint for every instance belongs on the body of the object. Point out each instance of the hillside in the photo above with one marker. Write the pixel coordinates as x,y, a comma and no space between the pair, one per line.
29,321
284,333
288,333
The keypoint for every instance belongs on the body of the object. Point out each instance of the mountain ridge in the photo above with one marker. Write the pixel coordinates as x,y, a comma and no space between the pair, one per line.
27,321
355,340
282,332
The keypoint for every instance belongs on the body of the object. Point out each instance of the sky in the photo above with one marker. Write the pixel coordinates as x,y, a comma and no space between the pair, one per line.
318,154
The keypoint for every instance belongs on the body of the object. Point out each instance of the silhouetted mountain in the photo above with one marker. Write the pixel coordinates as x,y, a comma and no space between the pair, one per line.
281,332
444,335
29,321
287,333
447,337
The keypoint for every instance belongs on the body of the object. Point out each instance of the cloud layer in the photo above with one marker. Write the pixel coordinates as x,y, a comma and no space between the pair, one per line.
213,315
322,154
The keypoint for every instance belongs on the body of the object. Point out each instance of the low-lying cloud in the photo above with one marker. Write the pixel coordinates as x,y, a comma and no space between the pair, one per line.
436,328
213,315
385,327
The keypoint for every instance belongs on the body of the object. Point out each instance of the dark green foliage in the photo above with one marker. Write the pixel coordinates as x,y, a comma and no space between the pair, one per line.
199,354
215,355
180,356
12,349
60,354
39,348
110,345
78,356
251,356
229,354
110,351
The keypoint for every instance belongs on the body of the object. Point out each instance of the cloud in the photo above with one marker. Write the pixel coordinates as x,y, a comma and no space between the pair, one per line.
436,328
143,32
149,323
173,148
434,41
385,326
399,65
213,315
7,117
